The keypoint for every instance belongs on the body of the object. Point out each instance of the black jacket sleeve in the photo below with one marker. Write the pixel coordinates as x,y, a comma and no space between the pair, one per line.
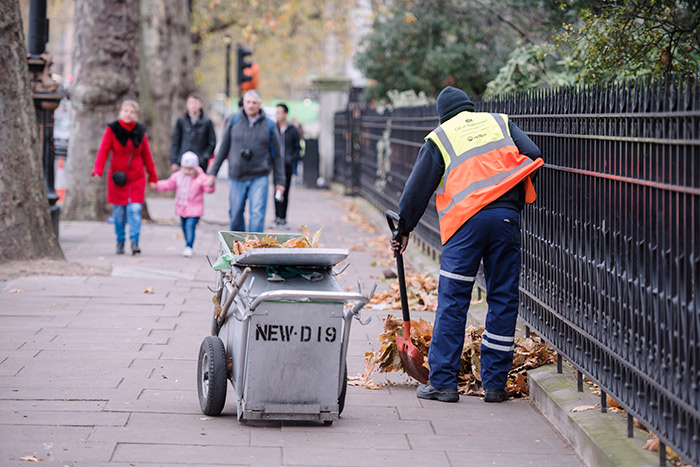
211,141
525,145
175,146
421,184
523,142
296,144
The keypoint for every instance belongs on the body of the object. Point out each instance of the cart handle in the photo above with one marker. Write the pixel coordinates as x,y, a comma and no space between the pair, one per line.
233,291
304,295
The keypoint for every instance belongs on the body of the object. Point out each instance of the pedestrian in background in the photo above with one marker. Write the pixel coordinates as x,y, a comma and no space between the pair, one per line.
290,140
190,183
125,139
250,142
193,132
481,164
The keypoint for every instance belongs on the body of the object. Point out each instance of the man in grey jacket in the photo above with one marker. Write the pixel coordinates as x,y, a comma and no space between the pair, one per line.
251,144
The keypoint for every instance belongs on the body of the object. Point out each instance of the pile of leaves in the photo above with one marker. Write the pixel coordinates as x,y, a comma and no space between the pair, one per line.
252,241
528,354
421,290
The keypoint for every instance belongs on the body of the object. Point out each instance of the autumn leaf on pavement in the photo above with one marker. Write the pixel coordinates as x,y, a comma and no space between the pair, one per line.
149,290
583,408
15,291
652,444
31,459
364,378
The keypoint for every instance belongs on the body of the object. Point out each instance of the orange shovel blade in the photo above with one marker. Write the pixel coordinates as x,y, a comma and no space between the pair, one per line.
411,358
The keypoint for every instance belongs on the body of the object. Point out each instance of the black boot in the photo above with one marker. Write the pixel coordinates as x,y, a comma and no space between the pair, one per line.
120,248
135,250
495,395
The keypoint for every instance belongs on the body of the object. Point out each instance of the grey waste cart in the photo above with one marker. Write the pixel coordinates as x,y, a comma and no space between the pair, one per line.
281,344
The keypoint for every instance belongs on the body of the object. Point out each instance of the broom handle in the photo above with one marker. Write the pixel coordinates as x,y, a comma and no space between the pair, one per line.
391,216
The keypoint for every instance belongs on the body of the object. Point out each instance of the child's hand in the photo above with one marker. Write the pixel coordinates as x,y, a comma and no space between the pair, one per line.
153,185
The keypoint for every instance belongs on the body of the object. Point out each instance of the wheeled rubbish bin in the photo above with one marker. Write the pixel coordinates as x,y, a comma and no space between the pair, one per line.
281,342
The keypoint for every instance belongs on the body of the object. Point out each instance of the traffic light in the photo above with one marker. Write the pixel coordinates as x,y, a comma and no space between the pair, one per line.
244,65
253,75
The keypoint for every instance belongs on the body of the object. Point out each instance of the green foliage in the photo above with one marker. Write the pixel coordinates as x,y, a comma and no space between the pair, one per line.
531,67
618,39
424,46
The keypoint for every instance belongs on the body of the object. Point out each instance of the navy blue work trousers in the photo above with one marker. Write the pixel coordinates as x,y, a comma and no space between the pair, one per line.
494,236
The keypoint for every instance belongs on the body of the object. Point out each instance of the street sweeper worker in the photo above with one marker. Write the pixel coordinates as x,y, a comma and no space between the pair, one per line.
481,165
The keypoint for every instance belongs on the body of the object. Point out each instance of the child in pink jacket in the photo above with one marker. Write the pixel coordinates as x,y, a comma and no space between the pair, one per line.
190,183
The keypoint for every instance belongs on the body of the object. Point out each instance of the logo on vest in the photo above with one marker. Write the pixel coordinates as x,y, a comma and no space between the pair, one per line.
472,138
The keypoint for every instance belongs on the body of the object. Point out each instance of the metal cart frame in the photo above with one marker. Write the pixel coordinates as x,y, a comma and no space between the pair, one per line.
282,345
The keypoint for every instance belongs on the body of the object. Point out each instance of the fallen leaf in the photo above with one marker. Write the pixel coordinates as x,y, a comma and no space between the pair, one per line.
15,291
31,459
136,260
149,290
611,402
583,408
652,444
207,418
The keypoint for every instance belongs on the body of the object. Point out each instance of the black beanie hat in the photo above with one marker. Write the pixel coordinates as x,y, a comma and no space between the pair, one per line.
452,101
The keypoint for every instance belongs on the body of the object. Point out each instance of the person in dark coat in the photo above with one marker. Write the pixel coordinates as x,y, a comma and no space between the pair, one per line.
127,142
481,167
290,140
250,143
193,132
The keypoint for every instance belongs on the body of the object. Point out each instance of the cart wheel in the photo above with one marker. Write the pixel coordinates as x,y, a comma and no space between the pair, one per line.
341,397
211,376
328,422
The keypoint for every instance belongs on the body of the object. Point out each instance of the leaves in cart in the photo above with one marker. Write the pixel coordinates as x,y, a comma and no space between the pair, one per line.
253,241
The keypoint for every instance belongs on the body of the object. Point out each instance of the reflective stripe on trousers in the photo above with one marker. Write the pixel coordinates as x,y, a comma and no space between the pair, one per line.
494,236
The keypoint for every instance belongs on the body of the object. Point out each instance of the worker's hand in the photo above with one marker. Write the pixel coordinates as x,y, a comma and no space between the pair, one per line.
153,185
399,244
211,179
174,167
280,188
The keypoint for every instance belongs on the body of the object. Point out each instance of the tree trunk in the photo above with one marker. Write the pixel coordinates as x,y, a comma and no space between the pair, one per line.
105,66
25,223
165,72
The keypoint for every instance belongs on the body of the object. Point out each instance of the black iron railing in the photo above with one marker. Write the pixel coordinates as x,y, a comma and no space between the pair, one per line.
611,248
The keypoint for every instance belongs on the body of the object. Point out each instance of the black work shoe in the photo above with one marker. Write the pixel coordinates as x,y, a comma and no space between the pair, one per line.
120,248
495,395
426,391
135,250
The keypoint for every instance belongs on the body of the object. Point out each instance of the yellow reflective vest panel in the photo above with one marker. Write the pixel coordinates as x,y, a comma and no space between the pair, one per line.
482,163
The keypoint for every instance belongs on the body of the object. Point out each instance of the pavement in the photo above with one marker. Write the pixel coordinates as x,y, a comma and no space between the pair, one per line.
100,370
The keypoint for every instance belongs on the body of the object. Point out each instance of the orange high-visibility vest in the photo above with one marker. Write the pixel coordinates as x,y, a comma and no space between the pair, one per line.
482,163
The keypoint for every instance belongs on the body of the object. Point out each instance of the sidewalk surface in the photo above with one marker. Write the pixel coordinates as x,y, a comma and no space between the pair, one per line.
94,371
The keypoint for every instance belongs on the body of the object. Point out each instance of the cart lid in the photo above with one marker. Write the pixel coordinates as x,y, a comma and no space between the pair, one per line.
309,257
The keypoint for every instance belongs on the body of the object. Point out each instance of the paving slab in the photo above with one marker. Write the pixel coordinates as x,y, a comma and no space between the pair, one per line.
95,372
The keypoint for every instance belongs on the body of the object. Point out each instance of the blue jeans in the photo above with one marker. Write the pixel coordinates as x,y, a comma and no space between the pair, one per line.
189,224
132,213
255,191
494,236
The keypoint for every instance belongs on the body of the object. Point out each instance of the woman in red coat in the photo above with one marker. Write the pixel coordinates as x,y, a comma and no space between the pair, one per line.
127,141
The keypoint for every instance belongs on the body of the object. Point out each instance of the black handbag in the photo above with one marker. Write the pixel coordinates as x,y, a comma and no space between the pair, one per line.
119,177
